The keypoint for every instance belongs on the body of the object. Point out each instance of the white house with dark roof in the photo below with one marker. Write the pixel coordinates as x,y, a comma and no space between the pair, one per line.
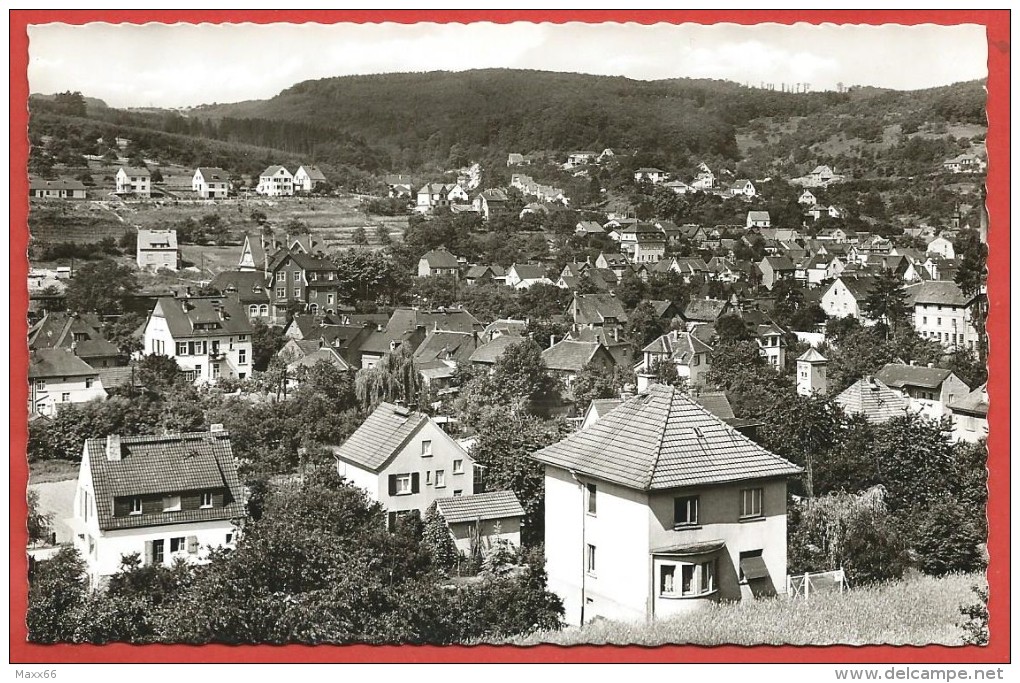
61,188
438,262
132,180
488,517
758,219
275,181
157,249
568,357
209,337
653,175
164,498
691,356
743,188
942,312
930,390
525,275
404,460
307,178
57,377
210,182
660,508
970,415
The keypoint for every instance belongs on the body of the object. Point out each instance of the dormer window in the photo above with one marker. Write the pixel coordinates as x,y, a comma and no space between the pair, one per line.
136,506
207,500
171,503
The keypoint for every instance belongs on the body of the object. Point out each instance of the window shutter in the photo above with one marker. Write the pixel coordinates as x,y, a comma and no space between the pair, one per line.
148,552
393,484
414,483
192,544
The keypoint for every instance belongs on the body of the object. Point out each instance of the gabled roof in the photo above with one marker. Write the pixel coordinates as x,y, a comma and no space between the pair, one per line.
859,287
480,506
900,375
475,272
779,263
314,173
202,316
974,403
590,227
571,355
758,215
57,363
58,184
324,354
249,286
135,170
663,439
659,306
446,346
717,403
211,174
494,196
705,310
490,352
273,170
58,330
528,271
452,319
157,239
505,326
614,259
937,292
440,258
170,464
384,432
874,400
679,346
593,309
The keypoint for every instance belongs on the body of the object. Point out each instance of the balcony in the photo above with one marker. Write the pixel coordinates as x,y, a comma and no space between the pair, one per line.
217,355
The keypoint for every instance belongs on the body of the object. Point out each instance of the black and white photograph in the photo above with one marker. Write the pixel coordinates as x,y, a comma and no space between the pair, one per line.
513,334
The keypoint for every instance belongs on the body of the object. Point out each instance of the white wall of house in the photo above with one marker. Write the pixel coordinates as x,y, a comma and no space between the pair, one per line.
619,586
210,189
839,302
140,185
50,394
154,259
281,184
969,428
490,531
952,326
234,360
362,478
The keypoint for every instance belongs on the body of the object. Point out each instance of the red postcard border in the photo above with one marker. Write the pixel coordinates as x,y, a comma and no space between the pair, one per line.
998,33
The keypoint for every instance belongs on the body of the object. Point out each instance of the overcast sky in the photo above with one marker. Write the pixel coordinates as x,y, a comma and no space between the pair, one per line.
182,65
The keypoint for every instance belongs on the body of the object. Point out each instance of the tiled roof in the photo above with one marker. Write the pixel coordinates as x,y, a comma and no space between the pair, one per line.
679,346
705,310
249,286
212,174
273,170
873,399
812,356
494,196
168,464
202,316
758,215
780,263
58,330
937,292
715,402
663,439
589,309
59,362
117,377
440,258
405,320
479,271
135,171
899,375
859,287
974,403
491,351
659,306
59,184
314,173
319,355
442,345
380,436
481,506
528,271
505,326
570,355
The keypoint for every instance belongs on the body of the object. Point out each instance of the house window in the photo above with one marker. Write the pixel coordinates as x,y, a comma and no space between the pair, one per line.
253,310
592,494
182,348
428,477
329,299
752,566
297,292
590,559
685,511
242,356
136,506
157,551
751,503
40,385
177,545
281,276
171,503
263,310
403,484
206,501
65,397
426,449
458,467
440,479
230,538
89,382
281,292
458,492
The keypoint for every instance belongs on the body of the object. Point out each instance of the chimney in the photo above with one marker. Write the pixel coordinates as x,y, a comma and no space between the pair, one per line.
552,340
113,447
74,348
216,427
627,391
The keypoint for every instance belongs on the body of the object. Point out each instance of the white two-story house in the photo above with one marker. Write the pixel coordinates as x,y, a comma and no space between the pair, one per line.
660,508
160,497
209,337
210,183
405,461
307,178
157,249
131,180
942,312
275,181
930,391
691,356
57,377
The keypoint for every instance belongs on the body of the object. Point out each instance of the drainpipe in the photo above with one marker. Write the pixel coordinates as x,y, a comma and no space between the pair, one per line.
584,547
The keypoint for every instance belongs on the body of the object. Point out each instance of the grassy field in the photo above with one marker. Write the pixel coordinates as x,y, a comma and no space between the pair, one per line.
919,610
45,471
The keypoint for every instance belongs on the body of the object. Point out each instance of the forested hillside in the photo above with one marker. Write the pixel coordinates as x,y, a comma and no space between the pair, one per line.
427,121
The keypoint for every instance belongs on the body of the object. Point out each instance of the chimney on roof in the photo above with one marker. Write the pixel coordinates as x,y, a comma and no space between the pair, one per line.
627,391
216,427
552,340
113,447
74,347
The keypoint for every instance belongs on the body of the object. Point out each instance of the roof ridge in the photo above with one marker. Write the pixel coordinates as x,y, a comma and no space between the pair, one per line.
662,435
